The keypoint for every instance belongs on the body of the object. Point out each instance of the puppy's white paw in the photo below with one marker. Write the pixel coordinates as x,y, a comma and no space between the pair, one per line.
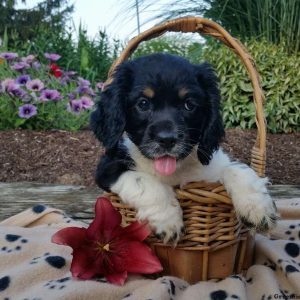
154,201
168,224
255,207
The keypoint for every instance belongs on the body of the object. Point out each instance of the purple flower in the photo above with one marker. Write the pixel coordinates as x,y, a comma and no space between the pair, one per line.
35,85
67,77
72,96
52,56
18,92
28,59
75,106
6,84
8,55
20,66
36,65
27,111
14,89
84,87
85,90
22,79
50,95
83,82
86,102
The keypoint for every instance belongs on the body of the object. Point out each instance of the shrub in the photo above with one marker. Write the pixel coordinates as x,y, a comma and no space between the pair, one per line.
279,73
37,95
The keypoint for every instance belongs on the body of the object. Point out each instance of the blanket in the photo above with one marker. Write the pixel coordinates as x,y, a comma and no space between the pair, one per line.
31,267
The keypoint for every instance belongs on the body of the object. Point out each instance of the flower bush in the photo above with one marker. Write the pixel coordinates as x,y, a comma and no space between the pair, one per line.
41,95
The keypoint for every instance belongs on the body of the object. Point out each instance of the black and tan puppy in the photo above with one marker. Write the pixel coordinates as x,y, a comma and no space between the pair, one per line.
160,123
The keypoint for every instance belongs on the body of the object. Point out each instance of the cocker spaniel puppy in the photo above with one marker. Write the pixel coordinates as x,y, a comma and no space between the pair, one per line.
160,123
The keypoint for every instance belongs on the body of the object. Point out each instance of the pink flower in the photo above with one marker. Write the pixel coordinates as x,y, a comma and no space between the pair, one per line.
8,55
35,85
20,66
75,106
6,84
28,59
50,95
86,102
107,249
52,56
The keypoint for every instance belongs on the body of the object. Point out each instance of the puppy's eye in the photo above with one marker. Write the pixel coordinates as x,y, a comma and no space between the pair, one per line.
144,104
189,105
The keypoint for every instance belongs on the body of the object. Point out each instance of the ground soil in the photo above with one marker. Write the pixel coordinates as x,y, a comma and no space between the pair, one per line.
71,158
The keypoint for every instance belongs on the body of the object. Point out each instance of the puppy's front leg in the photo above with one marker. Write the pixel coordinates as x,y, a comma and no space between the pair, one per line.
248,191
250,197
154,201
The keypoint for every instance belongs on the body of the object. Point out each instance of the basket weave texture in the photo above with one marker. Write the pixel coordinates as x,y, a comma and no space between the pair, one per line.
215,244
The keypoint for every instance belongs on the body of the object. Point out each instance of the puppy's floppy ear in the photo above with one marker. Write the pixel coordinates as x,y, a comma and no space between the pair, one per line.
213,130
108,120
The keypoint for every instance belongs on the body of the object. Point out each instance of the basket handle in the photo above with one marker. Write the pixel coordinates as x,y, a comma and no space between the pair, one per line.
208,27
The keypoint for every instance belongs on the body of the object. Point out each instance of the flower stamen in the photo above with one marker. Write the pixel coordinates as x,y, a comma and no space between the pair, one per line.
102,248
106,247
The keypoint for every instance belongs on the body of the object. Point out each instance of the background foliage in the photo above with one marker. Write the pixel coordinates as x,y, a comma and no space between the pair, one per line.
279,73
270,32
26,24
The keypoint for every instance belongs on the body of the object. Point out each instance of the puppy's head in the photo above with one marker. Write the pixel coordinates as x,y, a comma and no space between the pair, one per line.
165,104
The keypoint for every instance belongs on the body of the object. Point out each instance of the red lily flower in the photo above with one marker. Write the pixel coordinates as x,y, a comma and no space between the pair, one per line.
106,248
57,73
55,70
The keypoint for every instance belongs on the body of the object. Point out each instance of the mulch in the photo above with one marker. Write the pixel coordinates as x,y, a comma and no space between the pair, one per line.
71,157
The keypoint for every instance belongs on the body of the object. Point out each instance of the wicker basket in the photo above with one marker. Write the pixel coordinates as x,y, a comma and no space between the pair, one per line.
215,244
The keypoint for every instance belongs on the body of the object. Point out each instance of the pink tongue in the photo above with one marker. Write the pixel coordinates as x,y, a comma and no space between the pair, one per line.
165,165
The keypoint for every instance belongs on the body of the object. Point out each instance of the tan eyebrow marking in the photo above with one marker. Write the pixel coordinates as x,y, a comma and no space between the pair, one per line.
149,92
182,92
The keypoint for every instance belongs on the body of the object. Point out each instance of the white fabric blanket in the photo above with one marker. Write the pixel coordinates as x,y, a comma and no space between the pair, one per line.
31,267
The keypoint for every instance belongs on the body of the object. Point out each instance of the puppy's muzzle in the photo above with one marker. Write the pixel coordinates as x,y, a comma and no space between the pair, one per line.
164,133
167,139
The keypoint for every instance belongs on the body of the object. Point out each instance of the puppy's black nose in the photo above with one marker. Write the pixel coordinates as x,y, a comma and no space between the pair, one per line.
166,138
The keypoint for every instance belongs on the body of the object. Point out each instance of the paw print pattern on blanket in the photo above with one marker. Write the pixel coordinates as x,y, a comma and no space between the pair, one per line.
39,208
57,284
54,261
290,265
4,283
14,243
292,249
222,295
293,233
